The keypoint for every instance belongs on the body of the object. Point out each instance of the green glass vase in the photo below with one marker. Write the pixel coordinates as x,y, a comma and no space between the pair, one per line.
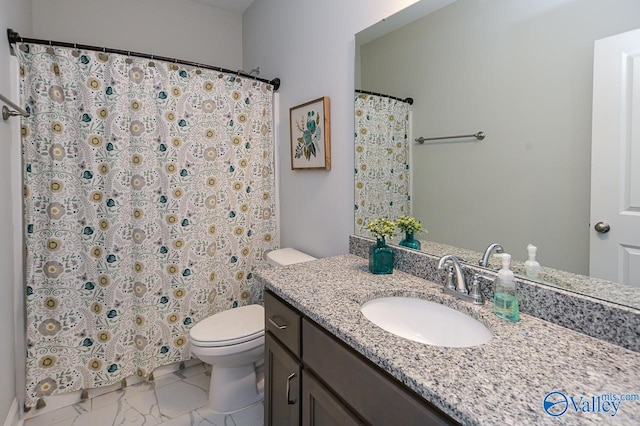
380,257
410,241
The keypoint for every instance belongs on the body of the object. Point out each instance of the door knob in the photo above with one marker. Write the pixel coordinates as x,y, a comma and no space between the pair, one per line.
602,227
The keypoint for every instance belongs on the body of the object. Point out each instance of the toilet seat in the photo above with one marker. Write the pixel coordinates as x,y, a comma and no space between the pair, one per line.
223,343
230,327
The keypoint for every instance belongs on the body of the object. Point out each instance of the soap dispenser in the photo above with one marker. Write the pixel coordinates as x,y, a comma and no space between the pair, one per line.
531,266
505,301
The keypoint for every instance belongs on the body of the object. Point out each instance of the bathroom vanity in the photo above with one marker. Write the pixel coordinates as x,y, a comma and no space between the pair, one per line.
327,364
311,378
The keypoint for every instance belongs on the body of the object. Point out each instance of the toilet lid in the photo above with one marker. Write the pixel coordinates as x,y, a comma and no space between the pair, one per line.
287,256
229,327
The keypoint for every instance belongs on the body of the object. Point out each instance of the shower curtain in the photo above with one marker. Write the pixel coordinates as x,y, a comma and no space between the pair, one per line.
381,159
148,202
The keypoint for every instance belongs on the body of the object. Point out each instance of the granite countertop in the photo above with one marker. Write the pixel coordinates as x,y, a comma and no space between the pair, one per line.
501,382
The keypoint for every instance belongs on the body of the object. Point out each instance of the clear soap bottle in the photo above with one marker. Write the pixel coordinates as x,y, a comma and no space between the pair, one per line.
505,300
531,266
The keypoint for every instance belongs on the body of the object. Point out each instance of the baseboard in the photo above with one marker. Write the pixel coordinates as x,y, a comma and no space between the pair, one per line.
13,416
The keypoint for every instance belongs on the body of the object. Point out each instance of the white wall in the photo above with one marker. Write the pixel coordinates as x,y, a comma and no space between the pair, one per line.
177,29
310,46
522,72
13,14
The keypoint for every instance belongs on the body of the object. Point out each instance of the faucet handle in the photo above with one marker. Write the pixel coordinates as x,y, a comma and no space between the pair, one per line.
449,281
476,288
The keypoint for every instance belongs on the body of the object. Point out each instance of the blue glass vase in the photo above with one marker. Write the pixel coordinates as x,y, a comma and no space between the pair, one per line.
380,258
409,241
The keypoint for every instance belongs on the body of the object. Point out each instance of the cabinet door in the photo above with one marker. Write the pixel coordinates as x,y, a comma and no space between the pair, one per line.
321,408
375,396
281,385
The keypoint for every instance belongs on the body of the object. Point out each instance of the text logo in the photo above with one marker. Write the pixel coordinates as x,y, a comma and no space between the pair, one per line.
557,403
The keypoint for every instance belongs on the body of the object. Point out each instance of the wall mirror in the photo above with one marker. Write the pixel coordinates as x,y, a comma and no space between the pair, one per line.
522,72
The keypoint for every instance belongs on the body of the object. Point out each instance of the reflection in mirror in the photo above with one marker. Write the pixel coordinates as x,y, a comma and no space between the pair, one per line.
522,73
381,158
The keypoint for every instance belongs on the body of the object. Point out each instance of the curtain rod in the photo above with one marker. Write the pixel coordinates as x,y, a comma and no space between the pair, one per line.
14,37
366,92
7,113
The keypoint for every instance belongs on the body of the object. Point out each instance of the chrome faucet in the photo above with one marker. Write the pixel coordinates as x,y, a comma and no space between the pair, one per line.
454,269
456,284
487,254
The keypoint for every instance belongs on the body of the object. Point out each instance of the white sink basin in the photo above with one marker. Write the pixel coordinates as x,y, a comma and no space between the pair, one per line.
426,322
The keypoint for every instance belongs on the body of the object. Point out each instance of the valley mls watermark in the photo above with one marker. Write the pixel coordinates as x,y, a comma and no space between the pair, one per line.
557,403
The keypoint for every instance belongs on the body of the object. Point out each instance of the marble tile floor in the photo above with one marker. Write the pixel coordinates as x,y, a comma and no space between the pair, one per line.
175,399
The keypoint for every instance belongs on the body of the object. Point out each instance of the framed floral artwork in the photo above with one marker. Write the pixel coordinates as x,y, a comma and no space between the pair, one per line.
311,135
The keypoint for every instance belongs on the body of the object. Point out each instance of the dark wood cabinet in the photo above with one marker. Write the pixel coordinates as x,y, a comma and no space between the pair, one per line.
321,408
282,379
373,394
283,323
313,379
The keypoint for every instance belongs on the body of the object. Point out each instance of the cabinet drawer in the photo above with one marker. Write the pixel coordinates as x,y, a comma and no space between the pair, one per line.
282,322
377,397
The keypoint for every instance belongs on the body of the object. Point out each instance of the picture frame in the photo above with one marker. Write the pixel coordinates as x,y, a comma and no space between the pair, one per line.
310,130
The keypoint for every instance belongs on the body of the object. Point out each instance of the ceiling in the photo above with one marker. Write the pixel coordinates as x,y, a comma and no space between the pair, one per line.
238,6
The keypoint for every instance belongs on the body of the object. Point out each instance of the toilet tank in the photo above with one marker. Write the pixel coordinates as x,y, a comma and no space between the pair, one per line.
287,256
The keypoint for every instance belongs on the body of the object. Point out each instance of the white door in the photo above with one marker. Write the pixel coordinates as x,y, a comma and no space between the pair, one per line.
615,160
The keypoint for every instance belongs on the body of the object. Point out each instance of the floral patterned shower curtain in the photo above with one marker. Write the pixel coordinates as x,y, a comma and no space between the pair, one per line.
148,202
381,159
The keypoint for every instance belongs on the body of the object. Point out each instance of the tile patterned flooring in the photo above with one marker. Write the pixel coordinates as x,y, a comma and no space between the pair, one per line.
175,399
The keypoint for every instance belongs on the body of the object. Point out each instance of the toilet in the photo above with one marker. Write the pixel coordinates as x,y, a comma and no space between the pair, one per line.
232,342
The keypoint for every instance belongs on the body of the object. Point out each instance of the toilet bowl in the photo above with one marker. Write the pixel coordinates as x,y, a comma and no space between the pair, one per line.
232,342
